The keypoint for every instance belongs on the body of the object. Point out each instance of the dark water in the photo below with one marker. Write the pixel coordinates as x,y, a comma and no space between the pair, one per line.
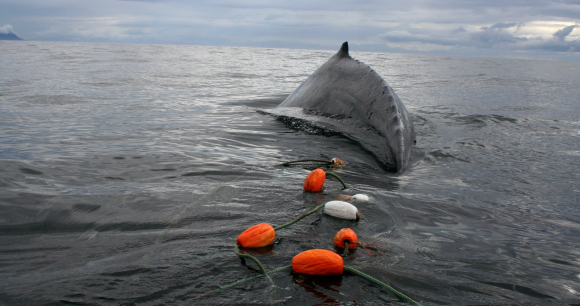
127,172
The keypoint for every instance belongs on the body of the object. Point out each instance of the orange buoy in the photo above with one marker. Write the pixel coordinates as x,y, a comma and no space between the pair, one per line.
344,235
257,236
315,180
318,262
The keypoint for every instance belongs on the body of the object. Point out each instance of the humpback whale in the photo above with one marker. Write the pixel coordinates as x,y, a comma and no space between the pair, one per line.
352,93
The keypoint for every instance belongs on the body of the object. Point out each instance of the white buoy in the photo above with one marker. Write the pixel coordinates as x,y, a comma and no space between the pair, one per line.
360,198
341,209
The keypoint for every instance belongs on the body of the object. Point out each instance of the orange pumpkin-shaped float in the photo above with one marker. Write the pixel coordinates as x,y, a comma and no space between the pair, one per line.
344,235
315,180
257,236
318,262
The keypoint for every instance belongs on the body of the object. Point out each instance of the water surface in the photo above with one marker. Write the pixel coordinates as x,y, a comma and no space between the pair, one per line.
127,172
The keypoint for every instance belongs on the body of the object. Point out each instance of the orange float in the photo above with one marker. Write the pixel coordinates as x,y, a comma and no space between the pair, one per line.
257,236
315,180
346,234
318,262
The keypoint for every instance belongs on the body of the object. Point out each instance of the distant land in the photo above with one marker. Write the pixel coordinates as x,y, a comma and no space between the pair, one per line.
9,36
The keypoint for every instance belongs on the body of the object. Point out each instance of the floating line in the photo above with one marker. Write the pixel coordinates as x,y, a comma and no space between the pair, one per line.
374,280
341,181
359,273
346,245
222,288
299,218
242,255
305,161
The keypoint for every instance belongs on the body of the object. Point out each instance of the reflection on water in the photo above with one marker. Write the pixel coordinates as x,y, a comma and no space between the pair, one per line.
320,289
128,171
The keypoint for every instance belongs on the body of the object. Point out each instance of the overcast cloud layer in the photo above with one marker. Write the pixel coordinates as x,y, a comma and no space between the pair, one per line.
508,28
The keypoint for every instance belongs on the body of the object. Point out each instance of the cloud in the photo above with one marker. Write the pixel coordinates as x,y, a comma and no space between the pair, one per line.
558,42
500,26
495,35
6,29
424,36
477,26
501,36
561,34
487,37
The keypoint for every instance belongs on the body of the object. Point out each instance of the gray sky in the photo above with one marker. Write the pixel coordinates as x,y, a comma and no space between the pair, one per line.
541,29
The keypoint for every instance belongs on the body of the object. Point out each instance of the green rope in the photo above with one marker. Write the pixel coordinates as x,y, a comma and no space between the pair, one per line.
222,288
345,253
298,219
368,277
242,255
306,160
341,181
310,212
376,281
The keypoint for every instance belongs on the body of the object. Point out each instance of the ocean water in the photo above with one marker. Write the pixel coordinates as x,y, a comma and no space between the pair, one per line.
128,171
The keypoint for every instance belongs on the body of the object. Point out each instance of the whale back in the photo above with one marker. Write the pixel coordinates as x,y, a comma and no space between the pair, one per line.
347,88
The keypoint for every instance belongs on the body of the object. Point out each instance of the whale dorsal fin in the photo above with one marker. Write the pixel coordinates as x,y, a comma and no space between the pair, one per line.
343,52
